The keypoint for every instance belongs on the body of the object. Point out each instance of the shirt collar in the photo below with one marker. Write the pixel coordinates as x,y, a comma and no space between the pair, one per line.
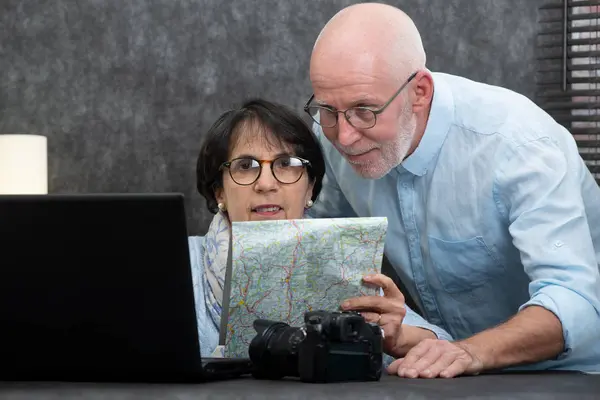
441,117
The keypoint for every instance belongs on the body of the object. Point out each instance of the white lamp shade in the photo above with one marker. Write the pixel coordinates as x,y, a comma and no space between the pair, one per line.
23,164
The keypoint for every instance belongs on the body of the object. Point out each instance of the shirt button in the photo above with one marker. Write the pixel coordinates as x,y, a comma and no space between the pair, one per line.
405,185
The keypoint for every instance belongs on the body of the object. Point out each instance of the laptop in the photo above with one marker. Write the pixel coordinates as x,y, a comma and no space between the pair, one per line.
98,287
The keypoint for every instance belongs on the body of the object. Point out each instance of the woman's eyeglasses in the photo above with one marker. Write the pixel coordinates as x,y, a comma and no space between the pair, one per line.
247,170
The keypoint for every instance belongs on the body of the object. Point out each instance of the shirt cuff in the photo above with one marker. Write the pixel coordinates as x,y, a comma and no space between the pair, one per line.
387,360
576,314
413,319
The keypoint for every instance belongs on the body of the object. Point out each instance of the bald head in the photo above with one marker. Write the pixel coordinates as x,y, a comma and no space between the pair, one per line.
361,62
369,36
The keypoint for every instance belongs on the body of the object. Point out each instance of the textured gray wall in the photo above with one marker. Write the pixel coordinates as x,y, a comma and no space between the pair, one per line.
125,89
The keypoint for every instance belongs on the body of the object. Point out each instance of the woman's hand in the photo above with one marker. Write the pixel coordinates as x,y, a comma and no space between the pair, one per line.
387,311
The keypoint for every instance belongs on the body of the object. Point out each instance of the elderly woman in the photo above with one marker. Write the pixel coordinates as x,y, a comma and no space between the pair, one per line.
256,163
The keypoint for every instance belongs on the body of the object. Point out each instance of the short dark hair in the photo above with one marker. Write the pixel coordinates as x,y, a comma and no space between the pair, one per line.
277,122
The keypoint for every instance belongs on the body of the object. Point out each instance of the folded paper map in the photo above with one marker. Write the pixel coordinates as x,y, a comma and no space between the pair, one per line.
282,269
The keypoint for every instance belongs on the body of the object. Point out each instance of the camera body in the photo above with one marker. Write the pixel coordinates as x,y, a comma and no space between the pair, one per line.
330,347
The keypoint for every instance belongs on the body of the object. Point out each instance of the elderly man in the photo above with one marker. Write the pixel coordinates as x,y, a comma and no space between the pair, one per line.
494,219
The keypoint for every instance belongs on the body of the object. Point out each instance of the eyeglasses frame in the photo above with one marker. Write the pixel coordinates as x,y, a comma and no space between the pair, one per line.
375,112
227,164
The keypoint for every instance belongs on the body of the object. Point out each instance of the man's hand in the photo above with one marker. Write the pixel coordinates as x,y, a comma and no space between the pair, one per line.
387,311
434,358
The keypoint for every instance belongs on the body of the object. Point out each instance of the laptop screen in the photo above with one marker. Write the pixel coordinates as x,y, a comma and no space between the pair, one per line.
96,286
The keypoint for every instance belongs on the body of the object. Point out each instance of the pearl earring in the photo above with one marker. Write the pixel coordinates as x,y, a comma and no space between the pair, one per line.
309,204
221,206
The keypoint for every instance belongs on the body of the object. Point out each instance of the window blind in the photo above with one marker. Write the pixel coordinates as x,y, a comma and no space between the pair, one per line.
568,74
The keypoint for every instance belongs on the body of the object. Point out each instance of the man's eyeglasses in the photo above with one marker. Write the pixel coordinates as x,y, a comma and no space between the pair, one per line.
359,117
247,170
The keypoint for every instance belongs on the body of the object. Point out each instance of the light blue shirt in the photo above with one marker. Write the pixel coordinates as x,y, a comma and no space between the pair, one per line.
494,211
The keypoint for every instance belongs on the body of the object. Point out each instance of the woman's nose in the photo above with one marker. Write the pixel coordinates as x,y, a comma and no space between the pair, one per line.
266,181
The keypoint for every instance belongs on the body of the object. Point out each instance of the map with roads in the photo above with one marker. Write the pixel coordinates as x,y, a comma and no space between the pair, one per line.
282,269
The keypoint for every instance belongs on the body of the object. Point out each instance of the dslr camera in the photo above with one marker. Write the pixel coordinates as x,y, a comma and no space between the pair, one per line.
330,347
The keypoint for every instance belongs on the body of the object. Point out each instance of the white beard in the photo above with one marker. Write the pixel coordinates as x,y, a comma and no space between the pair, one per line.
393,152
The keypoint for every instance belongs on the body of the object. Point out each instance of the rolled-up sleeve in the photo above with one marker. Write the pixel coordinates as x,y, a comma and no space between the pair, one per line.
539,192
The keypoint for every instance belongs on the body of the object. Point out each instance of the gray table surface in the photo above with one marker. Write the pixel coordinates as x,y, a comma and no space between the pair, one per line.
503,386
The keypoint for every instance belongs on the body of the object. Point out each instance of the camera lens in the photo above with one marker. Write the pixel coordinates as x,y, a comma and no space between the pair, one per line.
274,349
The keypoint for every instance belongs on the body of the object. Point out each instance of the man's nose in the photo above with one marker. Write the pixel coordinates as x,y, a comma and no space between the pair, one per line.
347,134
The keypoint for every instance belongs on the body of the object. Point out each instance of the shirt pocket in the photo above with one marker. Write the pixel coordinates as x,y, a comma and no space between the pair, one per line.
463,265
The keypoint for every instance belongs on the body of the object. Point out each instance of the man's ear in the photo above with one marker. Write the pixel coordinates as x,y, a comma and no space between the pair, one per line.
423,90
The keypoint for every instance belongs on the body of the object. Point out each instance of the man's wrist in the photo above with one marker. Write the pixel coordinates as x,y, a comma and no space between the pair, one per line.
533,335
480,352
410,336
